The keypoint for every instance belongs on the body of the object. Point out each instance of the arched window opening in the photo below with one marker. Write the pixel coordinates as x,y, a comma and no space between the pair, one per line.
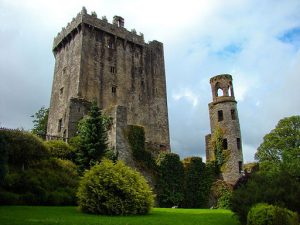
220,92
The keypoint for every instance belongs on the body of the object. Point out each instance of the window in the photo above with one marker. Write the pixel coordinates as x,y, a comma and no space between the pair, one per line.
220,115
240,166
111,45
238,143
114,90
61,91
78,109
225,144
233,114
60,125
113,69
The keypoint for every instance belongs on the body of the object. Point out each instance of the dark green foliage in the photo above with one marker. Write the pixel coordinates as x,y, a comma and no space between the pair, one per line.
264,214
136,138
92,141
114,189
3,158
170,183
23,148
279,188
32,177
40,122
47,182
281,147
195,185
60,149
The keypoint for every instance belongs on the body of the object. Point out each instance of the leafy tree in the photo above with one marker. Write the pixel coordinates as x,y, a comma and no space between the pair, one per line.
92,141
170,184
281,147
60,149
40,122
3,158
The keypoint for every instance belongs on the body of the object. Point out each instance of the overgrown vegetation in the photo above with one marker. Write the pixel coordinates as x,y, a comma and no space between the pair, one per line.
136,138
60,149
114,189
196,184
170,183
33,177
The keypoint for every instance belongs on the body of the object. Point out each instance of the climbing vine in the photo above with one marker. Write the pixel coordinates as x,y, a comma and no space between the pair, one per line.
136,138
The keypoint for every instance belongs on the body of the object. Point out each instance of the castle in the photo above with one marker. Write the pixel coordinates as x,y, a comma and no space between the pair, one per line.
106,63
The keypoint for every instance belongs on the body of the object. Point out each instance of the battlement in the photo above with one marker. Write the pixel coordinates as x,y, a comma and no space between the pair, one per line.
115,28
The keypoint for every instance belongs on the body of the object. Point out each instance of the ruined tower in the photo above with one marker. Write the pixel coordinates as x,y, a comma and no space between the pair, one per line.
104,62
224,116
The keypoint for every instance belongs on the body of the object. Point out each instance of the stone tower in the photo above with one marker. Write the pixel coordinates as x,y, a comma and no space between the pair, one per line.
223,114
104,62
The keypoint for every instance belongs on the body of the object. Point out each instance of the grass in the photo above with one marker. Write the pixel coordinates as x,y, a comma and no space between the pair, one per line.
42,215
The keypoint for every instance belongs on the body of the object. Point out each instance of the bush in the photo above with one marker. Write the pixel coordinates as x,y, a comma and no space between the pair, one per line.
60,149
195,188
114,189
264,214
278,188
23,147
44,183
170,183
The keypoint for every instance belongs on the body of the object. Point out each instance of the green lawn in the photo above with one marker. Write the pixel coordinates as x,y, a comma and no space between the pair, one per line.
40,215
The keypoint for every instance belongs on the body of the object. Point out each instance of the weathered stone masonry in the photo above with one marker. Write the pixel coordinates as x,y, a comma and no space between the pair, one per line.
106,63
223,114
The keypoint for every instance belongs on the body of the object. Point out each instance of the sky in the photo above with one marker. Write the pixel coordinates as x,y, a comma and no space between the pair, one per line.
257,42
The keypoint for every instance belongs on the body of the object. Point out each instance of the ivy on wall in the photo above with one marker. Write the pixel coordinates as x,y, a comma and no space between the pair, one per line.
136,138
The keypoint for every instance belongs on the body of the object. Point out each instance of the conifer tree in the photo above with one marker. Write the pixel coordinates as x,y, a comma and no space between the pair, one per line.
92,138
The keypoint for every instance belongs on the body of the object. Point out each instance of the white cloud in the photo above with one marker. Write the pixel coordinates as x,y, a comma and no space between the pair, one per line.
188,95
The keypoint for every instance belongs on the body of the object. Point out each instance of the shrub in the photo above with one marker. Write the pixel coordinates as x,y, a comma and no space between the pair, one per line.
170,183
278,188
60,149
114,189
40,184
264,214
23,147
195,189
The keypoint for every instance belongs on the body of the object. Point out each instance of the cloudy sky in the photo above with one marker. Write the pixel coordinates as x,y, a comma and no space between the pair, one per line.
258,42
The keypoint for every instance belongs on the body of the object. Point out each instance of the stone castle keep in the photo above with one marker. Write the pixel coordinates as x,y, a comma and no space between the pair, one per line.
223,114
103,62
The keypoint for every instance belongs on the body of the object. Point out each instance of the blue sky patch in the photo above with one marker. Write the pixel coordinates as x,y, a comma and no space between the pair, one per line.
292,37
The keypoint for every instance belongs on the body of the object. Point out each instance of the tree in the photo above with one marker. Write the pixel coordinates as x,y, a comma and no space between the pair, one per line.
92,139
281,147
40,122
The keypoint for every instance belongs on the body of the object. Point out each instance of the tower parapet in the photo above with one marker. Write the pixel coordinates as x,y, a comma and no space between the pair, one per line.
83,18
224,116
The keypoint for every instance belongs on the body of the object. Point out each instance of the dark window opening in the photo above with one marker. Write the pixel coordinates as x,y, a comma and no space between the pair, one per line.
240,166
60,126
78,109
233,117
61,91
112,69
111,45
114,90
220,115
238,143
225,144
142,84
